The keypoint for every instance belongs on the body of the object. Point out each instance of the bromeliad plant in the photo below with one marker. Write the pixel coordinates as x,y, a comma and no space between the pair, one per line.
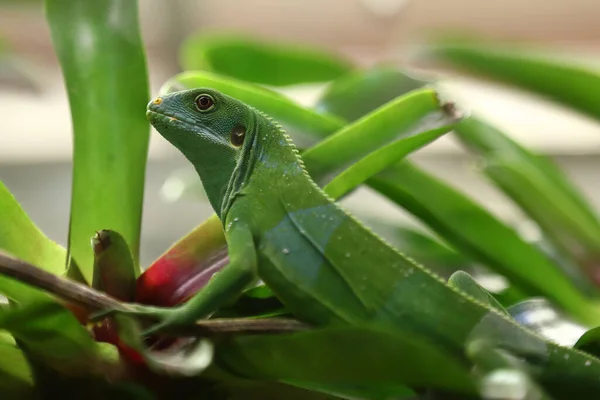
358,133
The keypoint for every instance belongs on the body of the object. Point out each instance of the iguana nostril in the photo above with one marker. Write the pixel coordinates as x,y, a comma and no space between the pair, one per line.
157,101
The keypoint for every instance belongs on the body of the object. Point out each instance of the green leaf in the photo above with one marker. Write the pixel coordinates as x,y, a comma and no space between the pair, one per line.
300,122
545,73
348,357
378,160
359,92
589,342
394,122
483,238
357,391
53,335
51,384
463,282
15,375
220,385
542,191
60,356
100,51
441,259
20,237
252,60
420,246
114,270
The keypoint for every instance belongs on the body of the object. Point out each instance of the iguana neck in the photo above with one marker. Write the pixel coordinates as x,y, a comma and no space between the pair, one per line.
208,165
276,161
269,153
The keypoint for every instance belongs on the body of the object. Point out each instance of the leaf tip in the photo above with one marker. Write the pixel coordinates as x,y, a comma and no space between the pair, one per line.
101,241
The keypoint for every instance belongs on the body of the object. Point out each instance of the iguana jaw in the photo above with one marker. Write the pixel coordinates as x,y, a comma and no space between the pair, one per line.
194,141
169,125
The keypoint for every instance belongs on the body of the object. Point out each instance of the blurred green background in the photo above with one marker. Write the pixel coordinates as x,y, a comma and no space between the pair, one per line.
35,134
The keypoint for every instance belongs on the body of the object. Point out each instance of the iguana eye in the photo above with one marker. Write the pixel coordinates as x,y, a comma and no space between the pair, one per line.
204,102
238,134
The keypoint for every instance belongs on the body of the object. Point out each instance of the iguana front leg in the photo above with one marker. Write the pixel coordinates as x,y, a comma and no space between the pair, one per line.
225,286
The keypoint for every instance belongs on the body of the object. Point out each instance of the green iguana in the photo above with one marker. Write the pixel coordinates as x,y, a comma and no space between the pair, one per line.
319,261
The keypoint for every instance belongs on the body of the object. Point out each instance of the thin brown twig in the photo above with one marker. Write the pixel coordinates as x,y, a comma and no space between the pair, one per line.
93,300
210,327
66,289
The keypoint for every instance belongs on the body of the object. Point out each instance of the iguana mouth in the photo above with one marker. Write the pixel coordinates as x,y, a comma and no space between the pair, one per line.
157,116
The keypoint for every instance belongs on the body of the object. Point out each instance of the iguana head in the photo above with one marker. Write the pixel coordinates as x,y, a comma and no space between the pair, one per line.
215,133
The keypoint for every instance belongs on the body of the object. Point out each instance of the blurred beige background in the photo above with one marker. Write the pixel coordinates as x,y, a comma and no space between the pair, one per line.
35,142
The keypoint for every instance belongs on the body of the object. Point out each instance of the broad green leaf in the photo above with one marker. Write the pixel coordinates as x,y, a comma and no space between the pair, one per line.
300,121
541,190
52,384
359,92
473,230
247,389
114,270
52,335
347,357
218,384
548,74
100,51
358,391
15,375
20,237
253,60
402,118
